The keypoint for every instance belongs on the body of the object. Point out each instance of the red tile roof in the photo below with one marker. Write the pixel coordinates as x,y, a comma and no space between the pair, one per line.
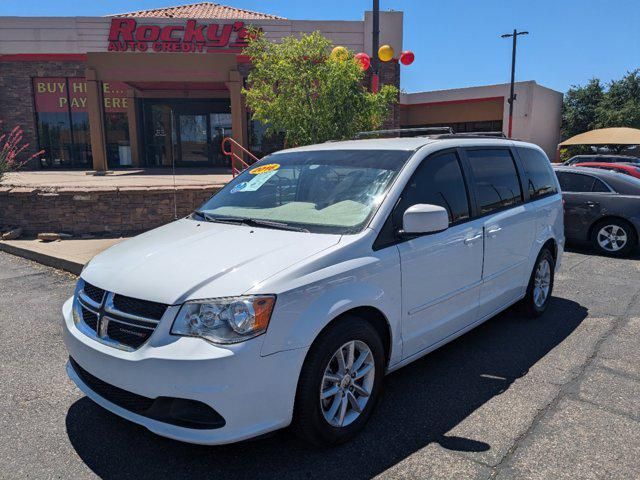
200,10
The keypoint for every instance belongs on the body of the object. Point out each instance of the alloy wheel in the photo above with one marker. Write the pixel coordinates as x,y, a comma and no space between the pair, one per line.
542,283
347,383
612,238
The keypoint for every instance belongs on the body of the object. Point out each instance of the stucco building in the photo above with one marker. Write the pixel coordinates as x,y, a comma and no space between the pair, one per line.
149,88
160,87
536,117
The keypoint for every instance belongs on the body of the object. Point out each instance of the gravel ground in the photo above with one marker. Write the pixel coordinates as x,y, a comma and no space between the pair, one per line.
555,397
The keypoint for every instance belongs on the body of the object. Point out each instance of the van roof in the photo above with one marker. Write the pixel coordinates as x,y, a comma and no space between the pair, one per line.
408,143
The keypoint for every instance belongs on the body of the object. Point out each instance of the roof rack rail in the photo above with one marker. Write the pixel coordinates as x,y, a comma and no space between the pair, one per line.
417,132
487,134
474,135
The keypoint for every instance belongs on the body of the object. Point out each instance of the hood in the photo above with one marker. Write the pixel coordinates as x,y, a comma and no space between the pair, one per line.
187,260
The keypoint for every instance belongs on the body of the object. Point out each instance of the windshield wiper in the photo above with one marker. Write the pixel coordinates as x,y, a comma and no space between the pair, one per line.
253,222
256,222
213,218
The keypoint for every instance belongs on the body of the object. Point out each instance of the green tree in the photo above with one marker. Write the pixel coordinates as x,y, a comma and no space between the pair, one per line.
298,88
620,105
596,106
580,106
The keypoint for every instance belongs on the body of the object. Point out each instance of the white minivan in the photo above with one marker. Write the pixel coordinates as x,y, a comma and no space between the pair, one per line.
287,297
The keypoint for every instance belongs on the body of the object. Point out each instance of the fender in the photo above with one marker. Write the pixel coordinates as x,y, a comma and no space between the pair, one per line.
303,311
551,228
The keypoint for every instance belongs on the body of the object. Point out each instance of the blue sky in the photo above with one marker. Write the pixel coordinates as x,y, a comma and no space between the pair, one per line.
457,42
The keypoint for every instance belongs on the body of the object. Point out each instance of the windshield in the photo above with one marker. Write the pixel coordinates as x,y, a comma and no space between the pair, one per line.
324,191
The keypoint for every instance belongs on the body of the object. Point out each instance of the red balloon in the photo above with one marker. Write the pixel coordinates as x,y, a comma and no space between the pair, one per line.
363,60
407,57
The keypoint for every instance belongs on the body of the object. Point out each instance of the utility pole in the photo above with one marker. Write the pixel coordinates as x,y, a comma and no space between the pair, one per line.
375,45
512,95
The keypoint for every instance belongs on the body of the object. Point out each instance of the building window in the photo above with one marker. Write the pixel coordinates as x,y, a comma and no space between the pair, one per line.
466,127
54,121
116,127
116,124
63,122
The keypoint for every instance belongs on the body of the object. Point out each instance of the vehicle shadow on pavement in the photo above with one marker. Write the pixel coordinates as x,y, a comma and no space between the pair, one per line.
420,404
586,249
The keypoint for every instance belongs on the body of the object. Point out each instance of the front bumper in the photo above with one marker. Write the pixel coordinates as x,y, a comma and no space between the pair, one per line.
254,394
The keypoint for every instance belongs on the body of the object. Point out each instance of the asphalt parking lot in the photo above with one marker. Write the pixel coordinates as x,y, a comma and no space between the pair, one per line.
555,397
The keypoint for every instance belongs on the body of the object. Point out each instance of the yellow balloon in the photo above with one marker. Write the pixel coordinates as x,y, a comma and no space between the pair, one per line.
385,53
340,53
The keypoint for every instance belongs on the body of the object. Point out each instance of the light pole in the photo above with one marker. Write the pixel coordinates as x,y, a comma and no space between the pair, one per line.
375,45
512,95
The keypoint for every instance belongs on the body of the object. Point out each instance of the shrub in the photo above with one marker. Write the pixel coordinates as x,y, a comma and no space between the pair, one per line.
11,148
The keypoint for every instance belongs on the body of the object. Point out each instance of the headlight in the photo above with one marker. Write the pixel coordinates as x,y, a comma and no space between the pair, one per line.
225,320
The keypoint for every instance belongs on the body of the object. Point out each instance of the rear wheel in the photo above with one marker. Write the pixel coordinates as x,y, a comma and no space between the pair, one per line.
339,383
614,237
540,285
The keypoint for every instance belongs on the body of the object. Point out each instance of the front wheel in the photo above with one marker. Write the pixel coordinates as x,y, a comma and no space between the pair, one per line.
339,383
614,237
540,285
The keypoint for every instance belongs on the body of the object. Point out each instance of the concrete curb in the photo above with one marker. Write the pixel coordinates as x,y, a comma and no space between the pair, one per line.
48,260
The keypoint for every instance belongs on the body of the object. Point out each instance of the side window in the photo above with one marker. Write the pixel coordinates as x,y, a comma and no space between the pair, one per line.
540,177
575,182
599,186
438,181
496,179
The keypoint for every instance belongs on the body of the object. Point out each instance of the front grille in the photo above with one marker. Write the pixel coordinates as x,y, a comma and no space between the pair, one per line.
128,334
131,401
141,308
90,318
94,293
117,320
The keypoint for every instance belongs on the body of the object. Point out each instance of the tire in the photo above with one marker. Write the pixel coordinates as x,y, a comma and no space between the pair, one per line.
311,413
614,237
535,304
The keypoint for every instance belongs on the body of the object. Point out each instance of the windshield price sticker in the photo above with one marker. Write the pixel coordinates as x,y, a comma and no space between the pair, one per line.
270,167
254,184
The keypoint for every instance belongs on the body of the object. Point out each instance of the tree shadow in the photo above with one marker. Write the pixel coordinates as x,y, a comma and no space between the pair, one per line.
421,402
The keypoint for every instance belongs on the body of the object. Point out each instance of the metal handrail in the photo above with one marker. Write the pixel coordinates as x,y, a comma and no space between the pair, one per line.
237,159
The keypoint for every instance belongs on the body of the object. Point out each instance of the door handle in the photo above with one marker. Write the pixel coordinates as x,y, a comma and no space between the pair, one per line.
493,231
470,240
592,204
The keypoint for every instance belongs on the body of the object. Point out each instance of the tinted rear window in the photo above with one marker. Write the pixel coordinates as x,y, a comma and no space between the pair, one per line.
496,179
540,177
577,182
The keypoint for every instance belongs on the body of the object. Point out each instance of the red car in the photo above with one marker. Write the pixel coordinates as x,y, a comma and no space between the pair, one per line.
626,168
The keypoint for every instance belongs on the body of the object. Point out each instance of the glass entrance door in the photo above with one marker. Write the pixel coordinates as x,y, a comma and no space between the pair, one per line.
220,127
194,139
187,132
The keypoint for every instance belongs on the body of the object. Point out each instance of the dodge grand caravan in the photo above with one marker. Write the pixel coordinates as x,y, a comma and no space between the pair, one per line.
287,297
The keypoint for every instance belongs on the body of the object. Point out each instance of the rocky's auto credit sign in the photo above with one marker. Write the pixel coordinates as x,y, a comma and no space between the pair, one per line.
126,35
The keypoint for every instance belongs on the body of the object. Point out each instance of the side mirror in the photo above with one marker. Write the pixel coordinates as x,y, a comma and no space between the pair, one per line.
425,218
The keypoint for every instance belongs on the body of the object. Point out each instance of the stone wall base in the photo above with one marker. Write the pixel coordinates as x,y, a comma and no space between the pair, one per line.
114,211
